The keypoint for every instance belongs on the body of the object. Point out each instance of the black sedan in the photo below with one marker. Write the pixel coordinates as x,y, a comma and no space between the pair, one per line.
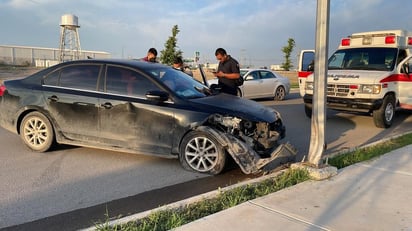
143,108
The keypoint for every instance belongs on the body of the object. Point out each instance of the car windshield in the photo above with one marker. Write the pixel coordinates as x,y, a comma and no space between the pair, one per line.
380,59
243,72
180,83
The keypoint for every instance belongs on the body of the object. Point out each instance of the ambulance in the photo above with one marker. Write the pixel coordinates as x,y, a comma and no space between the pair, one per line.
369,73
305,68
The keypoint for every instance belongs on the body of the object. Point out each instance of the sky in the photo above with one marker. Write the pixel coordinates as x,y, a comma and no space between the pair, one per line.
251,31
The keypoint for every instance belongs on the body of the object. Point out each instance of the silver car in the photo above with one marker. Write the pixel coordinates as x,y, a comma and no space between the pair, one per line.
261,83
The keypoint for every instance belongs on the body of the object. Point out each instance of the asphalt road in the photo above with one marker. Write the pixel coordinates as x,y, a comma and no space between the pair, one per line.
72,187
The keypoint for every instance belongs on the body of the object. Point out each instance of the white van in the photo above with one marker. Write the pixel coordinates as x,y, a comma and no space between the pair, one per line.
368,73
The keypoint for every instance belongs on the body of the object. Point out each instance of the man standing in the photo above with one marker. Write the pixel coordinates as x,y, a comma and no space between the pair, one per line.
227,72
151,55
178,65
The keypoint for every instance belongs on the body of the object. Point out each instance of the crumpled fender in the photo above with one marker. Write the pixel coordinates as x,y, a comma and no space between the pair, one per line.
247,159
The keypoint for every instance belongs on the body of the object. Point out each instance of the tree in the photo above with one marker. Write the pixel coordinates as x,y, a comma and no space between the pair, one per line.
287,50
169,53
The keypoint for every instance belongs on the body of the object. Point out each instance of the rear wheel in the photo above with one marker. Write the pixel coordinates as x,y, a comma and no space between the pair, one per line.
280,93
383,117
37,132
201,152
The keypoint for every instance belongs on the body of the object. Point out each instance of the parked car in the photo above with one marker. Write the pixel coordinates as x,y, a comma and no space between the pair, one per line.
139,107
261,83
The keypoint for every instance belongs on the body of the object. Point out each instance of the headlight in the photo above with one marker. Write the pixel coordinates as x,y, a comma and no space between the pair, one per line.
370,88
309,85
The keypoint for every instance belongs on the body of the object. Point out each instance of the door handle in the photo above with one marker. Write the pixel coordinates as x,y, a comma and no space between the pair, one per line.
107,105
83,104
53,98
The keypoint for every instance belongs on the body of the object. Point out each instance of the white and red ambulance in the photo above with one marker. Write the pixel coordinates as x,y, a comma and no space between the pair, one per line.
370,72
305,68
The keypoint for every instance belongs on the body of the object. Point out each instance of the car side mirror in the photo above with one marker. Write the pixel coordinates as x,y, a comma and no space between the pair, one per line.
311,67
160,96
215,89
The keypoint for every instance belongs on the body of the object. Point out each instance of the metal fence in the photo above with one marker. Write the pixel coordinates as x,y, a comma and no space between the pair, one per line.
38,56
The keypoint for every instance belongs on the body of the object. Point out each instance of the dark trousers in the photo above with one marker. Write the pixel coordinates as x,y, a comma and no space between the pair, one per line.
228,89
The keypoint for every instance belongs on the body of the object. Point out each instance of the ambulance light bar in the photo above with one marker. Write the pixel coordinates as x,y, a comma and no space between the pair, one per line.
367,40
345,42
391,39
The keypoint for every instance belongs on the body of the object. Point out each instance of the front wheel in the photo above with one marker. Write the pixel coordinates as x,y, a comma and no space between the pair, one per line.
383,117
37,132
201,152
308,111
280,93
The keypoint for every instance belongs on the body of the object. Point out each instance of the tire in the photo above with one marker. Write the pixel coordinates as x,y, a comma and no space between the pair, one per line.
280,94
37,132
308,111
383,117
201,152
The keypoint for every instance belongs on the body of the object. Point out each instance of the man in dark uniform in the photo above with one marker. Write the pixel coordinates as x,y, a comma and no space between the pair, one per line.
227,72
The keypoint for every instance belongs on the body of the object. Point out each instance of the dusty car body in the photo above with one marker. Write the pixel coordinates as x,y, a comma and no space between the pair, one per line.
143,108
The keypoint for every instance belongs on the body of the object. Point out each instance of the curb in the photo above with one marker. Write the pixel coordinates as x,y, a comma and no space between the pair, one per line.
190,200
214,193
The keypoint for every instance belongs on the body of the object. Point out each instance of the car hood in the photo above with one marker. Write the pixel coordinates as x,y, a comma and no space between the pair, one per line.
235,106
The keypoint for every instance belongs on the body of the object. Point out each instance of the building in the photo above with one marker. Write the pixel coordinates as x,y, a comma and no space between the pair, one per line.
39,56
276,67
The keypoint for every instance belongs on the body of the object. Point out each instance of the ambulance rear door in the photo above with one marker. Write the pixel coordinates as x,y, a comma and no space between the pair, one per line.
305,68
404,83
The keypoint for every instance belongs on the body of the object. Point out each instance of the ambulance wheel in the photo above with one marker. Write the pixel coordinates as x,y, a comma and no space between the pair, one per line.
308,111
201,152
383,117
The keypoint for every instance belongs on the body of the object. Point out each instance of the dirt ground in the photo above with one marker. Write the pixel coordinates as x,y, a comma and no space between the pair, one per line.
12,72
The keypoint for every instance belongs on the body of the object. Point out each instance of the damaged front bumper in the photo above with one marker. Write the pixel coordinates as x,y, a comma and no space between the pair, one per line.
249,160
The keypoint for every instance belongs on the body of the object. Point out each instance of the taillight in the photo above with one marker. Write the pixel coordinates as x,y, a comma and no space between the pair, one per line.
409,40
2,89
345,42
391,39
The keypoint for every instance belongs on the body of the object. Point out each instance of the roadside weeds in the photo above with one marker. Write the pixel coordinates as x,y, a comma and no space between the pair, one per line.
166,218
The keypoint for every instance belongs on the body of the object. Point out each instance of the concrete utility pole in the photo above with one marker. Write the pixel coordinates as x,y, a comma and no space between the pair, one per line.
317,136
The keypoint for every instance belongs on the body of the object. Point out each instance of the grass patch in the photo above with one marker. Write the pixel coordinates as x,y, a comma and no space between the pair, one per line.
371,152
294,85
171,218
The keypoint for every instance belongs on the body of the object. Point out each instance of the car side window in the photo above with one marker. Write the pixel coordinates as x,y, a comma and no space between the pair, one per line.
267,75
52,79
126,81
254,75
76,76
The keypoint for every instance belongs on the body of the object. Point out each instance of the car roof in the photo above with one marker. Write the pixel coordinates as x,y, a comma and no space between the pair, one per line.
128,62
254,69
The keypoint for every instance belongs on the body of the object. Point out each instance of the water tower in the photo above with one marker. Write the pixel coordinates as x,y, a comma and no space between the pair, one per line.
69,38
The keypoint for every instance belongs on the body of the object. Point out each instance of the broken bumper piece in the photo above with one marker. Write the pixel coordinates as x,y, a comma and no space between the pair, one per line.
247,159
